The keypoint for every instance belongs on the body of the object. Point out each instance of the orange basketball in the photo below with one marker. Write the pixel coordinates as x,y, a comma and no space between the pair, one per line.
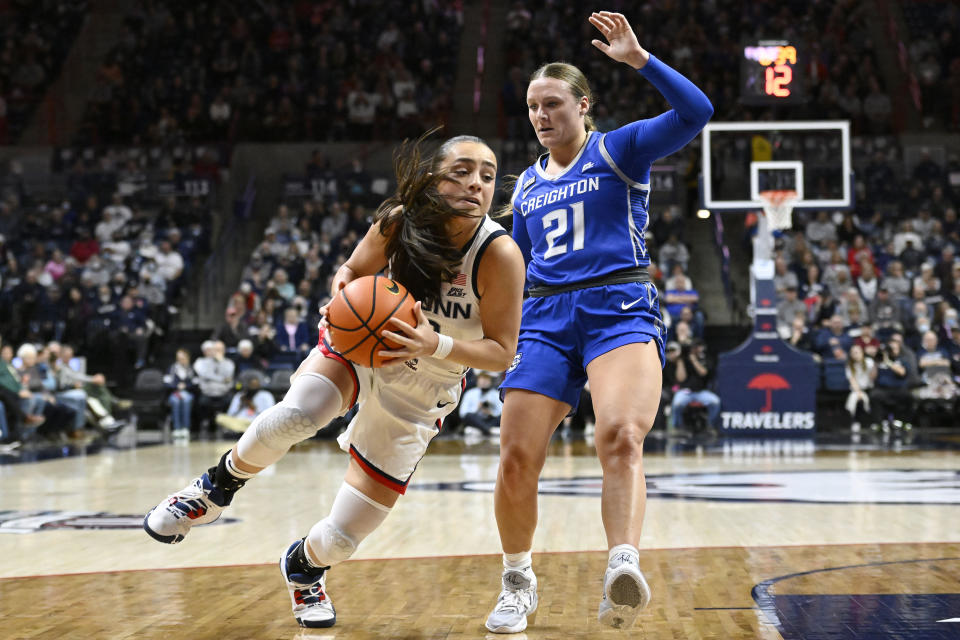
359,314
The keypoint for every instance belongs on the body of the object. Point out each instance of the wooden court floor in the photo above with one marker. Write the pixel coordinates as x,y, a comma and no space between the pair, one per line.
741,541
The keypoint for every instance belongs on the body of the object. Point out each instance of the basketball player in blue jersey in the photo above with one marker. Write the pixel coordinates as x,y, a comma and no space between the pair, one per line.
433,232
579,216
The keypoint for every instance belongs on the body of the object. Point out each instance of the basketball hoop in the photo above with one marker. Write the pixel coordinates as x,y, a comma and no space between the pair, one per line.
778,205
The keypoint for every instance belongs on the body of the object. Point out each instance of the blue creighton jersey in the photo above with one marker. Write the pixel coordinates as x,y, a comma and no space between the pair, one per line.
590,220
585,222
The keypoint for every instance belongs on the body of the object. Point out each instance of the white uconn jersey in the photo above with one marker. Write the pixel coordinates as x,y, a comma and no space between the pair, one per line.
457,314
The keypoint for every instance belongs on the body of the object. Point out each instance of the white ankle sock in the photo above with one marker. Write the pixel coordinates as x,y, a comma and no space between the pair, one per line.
313,564
627,549
237,473
520,560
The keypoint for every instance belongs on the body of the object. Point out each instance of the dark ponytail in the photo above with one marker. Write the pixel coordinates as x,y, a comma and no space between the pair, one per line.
413,220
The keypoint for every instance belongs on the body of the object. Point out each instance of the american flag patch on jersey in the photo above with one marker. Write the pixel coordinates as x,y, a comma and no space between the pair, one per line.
460,280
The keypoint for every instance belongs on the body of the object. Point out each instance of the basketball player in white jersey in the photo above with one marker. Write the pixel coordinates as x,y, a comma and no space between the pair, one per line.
436,238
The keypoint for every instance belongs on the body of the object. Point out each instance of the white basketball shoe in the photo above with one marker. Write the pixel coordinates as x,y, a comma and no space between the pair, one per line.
517,600
625,592
198,503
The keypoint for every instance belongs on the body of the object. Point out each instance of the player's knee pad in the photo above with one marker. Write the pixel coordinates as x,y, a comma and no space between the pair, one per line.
316,395
272,433
330,544
312,401
352,518
283,426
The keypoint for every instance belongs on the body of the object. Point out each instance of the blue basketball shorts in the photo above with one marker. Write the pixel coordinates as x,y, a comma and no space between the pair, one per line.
562,333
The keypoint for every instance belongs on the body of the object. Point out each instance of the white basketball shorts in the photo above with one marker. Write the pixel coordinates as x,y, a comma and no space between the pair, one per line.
401,411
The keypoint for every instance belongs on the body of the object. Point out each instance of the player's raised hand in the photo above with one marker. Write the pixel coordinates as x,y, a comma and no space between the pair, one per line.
622,44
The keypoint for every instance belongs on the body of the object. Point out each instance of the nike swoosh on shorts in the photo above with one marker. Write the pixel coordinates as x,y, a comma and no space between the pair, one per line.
625,306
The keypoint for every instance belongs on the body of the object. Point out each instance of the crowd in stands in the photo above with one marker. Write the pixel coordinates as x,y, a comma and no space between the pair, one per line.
209,392
35,37
703,41
684,382
480,407
270,322
47,394
875,295
100,271
934,51
146,173
275,71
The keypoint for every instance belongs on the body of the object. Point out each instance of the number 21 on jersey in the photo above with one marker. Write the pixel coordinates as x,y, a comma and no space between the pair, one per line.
556,223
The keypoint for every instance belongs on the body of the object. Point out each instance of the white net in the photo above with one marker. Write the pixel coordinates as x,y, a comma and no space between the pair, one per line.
778,207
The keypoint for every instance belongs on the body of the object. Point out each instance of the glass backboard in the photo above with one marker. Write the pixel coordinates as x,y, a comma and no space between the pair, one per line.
742,159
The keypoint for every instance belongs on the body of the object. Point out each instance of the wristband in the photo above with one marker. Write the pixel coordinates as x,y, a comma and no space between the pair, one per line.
444,347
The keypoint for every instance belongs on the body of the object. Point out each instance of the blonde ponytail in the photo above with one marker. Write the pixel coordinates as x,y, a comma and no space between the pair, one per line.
575,80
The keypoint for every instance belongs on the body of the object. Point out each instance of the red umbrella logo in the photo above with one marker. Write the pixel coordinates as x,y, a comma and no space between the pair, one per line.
768,382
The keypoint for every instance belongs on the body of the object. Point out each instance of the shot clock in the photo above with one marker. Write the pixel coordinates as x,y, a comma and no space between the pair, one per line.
770,73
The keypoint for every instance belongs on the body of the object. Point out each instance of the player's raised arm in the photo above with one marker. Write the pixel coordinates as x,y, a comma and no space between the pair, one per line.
669,131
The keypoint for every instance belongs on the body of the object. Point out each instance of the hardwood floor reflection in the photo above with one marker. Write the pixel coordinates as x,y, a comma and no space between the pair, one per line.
697,593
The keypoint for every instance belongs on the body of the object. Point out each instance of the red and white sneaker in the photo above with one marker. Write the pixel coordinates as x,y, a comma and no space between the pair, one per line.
312,606
198,503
